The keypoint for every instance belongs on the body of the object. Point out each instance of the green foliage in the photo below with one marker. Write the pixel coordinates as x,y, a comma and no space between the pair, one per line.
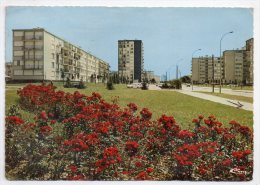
144,85
110,85
81,85
68,83
176,84
185,79
153,81
14,110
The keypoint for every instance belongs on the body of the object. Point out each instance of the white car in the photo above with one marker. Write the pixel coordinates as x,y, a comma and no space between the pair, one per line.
137,85
134,85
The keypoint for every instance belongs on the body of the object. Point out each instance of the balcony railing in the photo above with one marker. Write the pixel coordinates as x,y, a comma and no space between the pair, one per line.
33,38
33,66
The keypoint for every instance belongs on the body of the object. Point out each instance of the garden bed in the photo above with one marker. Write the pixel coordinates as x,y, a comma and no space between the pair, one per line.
79,137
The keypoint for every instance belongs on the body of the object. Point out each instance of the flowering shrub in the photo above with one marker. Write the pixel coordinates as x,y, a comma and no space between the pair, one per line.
79,137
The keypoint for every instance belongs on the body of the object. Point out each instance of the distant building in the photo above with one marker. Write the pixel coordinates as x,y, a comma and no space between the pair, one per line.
130,60
149,75
40,55
233,60
239,64
249,62
235,67
207,69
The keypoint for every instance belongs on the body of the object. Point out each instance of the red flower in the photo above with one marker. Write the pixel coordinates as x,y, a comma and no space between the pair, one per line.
226,162
200,117
53,121
46,129
75,177
241,154
210,150
43,115
73,168
131,147
195,121
14,120
76,144
146,114
185,134
202,170
132,107
149,170
51,115
142,176
138,164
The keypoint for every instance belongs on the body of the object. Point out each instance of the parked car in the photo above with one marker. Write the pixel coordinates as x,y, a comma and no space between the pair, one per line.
159,84
134,85
187,85
137,85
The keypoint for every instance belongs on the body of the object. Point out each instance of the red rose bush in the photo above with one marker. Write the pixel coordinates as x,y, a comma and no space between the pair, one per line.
79,137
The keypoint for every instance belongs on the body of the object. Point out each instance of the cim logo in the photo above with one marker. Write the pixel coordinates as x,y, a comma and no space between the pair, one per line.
237,171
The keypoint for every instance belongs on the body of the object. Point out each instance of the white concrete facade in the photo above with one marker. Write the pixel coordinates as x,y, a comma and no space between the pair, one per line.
40,55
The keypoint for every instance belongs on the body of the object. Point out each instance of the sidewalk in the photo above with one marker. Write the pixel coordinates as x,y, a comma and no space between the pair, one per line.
225,101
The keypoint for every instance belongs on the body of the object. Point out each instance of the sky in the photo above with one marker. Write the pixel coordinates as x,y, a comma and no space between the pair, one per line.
169,35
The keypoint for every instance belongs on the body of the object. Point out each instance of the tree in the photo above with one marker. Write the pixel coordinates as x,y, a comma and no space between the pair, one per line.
110,85
81,84
62,75
68,83
185,79
153,81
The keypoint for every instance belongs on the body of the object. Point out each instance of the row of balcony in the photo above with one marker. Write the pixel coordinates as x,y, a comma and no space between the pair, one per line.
25,38
32,67
26,48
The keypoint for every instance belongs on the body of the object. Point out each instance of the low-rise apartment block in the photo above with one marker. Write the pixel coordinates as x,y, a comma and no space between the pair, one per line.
233,60
40,55
207,69
235,67
249,62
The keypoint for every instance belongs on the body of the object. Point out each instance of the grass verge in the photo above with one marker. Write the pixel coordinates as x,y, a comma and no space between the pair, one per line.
182,107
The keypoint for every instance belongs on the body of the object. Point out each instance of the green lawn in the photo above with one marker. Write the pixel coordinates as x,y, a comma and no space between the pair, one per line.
229,96
182,107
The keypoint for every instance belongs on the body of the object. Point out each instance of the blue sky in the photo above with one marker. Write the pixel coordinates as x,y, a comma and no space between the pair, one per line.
169,35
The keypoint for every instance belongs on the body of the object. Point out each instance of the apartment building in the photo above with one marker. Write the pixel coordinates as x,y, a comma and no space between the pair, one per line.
40,55
235,67
249,62
206,69
103,71
130,60
234,61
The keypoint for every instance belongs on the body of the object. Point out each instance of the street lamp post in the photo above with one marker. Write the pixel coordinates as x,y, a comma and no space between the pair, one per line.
220,78
191,66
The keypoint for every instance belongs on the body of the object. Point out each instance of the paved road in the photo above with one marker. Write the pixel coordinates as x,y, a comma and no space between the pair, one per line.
225,101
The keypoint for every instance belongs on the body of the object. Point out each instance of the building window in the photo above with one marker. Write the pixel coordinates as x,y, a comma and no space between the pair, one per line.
52,55
18,62
52,64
